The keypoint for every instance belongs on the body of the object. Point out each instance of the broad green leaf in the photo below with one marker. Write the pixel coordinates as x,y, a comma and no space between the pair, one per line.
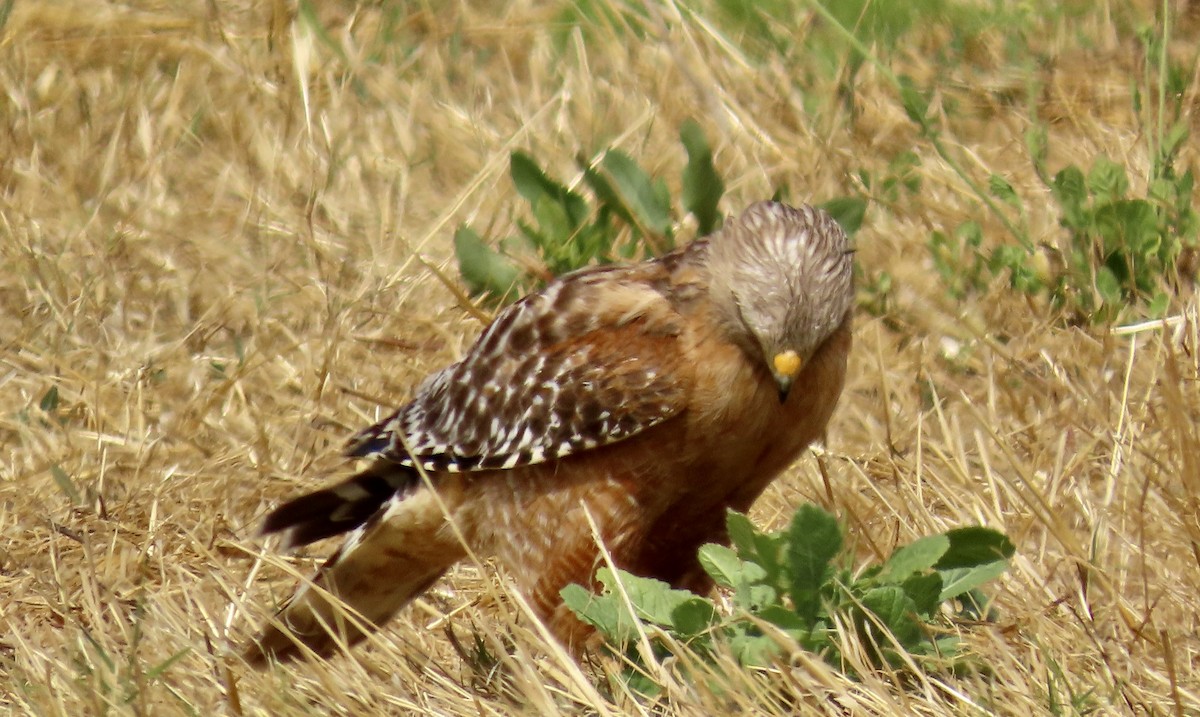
529,179
956,581
638,193
601,611
1108,284
1129,225
974,545
925,591
848,212
741,533
610,200
761,549
1158,305
786,620
654,600
533,184
1106,180
1069,191
557,234
754,650
640,683
916,557
482,268
896,611
812,540
947,646
702,186
726,569
693,616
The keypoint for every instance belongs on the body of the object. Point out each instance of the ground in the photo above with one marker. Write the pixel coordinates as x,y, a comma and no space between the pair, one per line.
224,229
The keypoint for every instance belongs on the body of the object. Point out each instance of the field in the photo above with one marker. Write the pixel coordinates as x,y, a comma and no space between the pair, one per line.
226,243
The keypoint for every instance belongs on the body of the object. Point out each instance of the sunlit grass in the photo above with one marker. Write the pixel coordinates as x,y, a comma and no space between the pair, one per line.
216,223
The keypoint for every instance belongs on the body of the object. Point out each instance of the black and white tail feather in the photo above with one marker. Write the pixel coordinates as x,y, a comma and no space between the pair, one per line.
340,508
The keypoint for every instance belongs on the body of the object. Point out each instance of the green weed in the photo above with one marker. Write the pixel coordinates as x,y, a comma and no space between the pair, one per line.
1121,249
796,586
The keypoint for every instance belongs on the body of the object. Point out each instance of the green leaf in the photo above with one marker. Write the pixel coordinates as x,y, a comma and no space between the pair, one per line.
975,545
916,105
726,569
485,270
654,600
1106,180
1173,142
49,402
533,184
694,616
1002,190
786,620
741,533
1129,225
702,186
916,557
812,540
1158,306
557,232
1108,285
896,611
957,581
603,612
848,212
638,193
610,200
925,591
529,179
760,549
754,650
1069,190
756,596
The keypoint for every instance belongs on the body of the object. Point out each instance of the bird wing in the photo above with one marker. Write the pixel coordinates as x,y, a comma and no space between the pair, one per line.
592,359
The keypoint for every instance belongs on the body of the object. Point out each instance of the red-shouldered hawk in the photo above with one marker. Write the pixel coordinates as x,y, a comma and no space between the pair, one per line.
652,396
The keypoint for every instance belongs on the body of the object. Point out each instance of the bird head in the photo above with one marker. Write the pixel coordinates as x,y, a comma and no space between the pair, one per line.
784,278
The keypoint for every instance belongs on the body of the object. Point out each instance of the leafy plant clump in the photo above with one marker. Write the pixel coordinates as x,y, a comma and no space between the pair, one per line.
797,586
628,215
1125,246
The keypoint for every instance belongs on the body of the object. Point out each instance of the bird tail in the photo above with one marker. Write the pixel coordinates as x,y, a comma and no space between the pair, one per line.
340,508
398,549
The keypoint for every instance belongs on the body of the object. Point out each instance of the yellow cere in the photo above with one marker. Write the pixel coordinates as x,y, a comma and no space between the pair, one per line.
787,363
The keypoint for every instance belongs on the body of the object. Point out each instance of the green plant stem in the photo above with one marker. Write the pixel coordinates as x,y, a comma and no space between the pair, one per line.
1162,81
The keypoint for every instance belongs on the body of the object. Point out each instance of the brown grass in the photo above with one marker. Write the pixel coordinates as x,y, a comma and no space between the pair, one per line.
213,236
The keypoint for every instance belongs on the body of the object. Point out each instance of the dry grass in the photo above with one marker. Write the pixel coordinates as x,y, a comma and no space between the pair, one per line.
213,231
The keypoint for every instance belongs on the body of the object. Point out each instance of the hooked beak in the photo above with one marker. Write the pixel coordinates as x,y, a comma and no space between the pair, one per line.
786,365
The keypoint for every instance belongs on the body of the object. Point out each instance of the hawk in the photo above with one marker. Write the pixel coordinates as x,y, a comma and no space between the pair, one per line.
646,399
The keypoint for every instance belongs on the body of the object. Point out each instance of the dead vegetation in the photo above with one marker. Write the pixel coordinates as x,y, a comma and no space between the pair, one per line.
216,233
